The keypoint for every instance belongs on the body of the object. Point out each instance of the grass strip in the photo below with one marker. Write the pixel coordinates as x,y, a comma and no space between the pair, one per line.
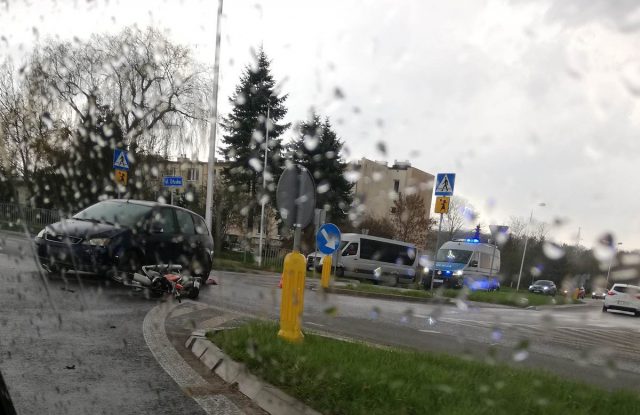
503,297
336,377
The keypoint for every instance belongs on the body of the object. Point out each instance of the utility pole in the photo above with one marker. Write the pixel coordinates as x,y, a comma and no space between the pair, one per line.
213,123
264,187
526,241
524,251
435,255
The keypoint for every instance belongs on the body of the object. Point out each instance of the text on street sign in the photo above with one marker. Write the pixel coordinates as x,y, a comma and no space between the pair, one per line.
172,181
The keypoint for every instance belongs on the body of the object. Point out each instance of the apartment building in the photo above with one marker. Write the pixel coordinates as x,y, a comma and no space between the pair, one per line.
379,185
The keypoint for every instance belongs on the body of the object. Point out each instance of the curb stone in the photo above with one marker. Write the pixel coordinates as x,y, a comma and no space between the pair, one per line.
265,395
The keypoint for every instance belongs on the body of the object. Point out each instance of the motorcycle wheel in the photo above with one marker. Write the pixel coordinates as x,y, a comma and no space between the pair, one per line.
192,293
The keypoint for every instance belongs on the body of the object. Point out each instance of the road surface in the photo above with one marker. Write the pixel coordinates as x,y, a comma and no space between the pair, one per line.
76,345
576,342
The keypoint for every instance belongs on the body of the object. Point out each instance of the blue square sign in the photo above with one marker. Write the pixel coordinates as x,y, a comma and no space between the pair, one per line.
172,181
445,183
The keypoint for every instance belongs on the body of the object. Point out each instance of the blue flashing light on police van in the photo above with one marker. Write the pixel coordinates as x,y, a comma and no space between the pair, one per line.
473,240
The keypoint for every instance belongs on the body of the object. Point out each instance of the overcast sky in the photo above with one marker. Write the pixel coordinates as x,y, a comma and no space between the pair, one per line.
526,101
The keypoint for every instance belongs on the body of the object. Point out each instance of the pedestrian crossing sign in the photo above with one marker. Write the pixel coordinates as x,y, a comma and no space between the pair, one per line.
445,183
120,160
442,204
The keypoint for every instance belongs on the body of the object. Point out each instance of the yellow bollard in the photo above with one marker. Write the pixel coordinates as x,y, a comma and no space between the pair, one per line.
292,303
326,271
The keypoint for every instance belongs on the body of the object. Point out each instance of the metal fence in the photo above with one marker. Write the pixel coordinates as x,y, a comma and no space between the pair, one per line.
14,214
273,256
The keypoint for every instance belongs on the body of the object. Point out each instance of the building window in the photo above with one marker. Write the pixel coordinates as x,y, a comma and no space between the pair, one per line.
193,174
396,185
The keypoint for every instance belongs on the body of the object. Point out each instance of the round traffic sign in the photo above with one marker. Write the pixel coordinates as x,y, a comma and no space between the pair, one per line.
328,238
296,196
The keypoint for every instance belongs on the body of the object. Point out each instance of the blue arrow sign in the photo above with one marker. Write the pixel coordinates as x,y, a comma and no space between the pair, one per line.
328,238
172,181
445,183
120,160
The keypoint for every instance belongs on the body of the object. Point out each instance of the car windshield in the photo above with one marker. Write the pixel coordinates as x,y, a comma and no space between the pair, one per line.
171,170
121,213
457,256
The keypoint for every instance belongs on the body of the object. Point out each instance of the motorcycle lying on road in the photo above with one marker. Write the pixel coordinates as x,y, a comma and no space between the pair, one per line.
166,279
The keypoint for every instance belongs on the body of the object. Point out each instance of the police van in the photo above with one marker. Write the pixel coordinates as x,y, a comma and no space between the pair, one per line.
467,262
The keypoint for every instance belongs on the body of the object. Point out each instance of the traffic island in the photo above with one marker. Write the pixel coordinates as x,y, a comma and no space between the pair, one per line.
263,394
334,376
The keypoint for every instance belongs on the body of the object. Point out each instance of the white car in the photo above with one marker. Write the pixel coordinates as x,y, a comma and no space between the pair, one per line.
623,297
314,259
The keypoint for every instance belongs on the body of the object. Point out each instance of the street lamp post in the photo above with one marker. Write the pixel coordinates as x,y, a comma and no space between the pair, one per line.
526,241
264,186
615,253
214,123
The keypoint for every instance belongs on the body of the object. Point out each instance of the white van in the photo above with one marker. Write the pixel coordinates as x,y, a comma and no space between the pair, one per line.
377,259
468,262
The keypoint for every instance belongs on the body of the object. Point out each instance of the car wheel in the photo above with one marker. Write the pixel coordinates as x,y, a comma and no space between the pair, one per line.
340,272
206,271
604,308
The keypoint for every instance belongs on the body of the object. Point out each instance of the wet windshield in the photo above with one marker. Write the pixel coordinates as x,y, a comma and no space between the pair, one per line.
254,141
458,256
122,213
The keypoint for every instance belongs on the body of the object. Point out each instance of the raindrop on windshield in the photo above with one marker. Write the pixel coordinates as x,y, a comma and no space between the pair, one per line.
520,355
552,250
255,164
352,176
374,313
311,142
496,335
323,187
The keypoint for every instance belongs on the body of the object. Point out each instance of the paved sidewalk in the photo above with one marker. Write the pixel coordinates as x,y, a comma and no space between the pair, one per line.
166,329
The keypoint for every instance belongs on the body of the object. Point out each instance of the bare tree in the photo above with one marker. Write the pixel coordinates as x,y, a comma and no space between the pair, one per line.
28,131
517,227
460,212
381,227
156,89
410,220
540,231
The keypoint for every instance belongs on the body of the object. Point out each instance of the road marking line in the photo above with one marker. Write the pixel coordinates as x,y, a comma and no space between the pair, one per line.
429,331
315,324
421,316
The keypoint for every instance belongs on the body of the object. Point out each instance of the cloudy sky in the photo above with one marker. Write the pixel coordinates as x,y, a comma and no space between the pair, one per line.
527,101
